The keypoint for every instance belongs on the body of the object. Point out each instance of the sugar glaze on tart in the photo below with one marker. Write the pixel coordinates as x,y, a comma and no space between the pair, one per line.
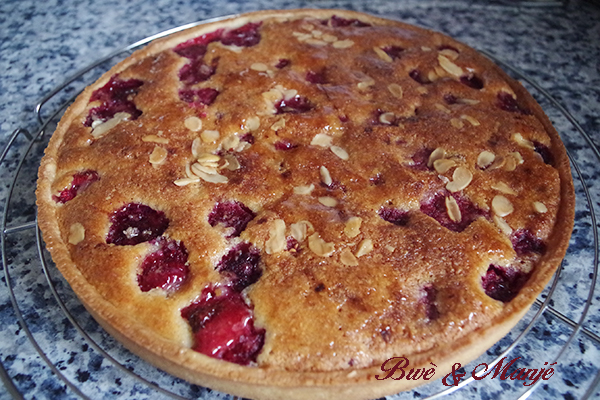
275,204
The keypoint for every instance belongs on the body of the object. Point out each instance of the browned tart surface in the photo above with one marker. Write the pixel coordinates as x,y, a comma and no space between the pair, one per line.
306,192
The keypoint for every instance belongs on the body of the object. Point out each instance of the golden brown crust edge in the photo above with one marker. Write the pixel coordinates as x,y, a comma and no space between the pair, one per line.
251,382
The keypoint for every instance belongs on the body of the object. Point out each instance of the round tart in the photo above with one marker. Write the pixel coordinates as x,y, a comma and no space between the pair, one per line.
275,204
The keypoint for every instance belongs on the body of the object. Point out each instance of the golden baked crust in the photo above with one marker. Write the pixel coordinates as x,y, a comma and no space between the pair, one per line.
345,134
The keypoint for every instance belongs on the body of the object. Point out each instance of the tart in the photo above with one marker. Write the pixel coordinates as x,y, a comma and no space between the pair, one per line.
275,204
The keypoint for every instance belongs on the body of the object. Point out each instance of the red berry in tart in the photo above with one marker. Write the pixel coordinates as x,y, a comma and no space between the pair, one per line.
506,102
241,266
197,71
196,48
199,97
244,36
231,214
336,21
296,105
223,326
503,283
429,299
525,243
472,81
393,51
115,97
394,215
166,268
80,182
136,223
284,145
436,208
544,152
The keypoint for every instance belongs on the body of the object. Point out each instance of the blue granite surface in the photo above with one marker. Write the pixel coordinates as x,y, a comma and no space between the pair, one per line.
43,43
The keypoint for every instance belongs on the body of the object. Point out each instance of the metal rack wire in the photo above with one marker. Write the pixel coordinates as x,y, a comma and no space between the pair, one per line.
19,225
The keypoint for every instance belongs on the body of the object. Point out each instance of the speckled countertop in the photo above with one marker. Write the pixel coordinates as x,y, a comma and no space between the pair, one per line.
42,43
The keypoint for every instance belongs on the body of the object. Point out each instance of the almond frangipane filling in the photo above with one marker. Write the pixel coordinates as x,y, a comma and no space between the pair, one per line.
325,164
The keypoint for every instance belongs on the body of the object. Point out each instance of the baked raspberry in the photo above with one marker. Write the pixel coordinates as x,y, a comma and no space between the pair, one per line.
472,81
284,145
292,244
377,180
244,36
525,243
196,71
223,326
282,63
503,284
336,21
231,214
316,77
394,215
248,138
166,268
421,158
393,51
115,97
296,105
199,97
196,48
429,299
544,152
450,99
80,182
135,223
416,75
435,207
506,102
241,266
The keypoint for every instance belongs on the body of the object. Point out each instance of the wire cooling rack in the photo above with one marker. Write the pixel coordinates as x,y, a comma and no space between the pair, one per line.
70,356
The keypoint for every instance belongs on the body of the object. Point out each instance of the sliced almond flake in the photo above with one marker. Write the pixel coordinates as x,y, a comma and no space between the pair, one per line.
452,209
443,108
315,42
232,162
449,66
396,90
253,123
439,71
341,153
422,90
435,155
387,118
231,47
243,145
540,207
330,38
205,158
328,201
342,44
199,169
289,94
471,120
322,140
194,124
511,163
460,179
308,27
186,181
503,225
76,233
499,162
279,124
319,246
102,128
521,141
503,188
457,123
303,190
425,48
449,53
196,147
365,83
230,142
485,159
389,248
261,67
211,178
301,36
155,139
276,242
442,166
210,136
188,172
502,206
364,247
432,76
352,227
347,258
382,54
158,155
325,176
300,229
316,33
470,102
518,157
